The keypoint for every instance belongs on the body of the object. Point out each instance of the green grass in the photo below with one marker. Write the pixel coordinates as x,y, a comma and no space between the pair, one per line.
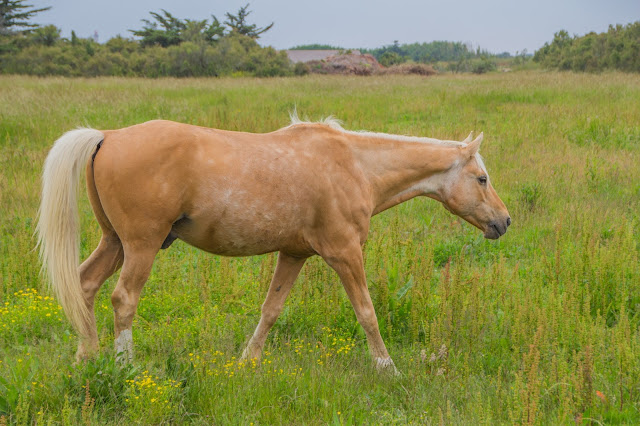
541,326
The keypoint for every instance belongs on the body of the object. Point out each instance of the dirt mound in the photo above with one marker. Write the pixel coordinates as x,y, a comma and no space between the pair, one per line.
348,63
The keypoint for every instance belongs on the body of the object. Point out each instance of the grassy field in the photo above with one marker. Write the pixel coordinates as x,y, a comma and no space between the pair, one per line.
539,327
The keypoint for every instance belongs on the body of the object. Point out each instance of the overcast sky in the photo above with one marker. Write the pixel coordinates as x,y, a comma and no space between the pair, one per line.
495,25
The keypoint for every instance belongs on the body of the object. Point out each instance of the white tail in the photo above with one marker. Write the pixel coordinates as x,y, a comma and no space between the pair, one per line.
58,234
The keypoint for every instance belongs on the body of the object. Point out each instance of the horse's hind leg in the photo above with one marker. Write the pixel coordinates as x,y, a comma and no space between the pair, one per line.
138,259
103,262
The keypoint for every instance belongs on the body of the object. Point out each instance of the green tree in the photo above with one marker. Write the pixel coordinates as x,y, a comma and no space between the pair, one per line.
119,44
316,46
618,48
238,24
169,34
167,30
15,15
194,31
389,58
47,35
215,30
426,52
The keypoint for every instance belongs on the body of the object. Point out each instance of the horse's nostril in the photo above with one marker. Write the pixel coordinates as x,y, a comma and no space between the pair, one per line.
508,221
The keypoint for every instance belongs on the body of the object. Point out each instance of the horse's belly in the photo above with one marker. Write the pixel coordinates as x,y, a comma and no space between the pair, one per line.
241,236
236,244
231,248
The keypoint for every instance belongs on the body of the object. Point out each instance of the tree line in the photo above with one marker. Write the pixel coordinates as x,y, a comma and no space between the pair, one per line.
453,56
170,46
618,48
167,46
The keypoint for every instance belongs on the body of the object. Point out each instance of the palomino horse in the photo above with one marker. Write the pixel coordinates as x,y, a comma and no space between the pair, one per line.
306,189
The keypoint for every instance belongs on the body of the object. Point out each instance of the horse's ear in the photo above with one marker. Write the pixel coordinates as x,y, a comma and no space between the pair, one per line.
469,138
471,149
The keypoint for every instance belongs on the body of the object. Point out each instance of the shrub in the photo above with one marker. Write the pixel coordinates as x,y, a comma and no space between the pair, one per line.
301,68
483,65
44,54
410,68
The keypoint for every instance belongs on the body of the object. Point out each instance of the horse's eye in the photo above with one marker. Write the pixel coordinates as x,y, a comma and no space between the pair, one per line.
482,180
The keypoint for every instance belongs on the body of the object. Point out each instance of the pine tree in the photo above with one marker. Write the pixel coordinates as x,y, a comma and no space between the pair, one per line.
14,15
169,34
238,24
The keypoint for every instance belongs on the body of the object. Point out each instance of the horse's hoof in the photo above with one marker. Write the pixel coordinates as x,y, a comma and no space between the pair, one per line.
386,365
124,358
248,355
84,354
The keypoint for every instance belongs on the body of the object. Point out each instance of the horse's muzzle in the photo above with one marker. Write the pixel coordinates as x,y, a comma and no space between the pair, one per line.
497,228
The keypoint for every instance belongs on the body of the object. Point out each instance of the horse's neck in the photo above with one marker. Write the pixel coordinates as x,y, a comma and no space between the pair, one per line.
398,171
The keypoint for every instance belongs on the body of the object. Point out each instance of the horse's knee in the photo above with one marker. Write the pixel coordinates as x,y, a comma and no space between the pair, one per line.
367,318
270,314
89,290
118,297
124,305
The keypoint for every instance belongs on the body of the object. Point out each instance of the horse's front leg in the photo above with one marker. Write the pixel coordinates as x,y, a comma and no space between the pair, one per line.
287,271
349,265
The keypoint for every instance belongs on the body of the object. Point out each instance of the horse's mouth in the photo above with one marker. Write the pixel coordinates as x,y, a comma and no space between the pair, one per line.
494,231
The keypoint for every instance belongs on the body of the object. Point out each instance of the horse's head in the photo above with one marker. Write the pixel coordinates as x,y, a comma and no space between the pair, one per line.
469,194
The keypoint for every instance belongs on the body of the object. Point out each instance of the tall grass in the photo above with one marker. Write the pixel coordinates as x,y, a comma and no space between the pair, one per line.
539,327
